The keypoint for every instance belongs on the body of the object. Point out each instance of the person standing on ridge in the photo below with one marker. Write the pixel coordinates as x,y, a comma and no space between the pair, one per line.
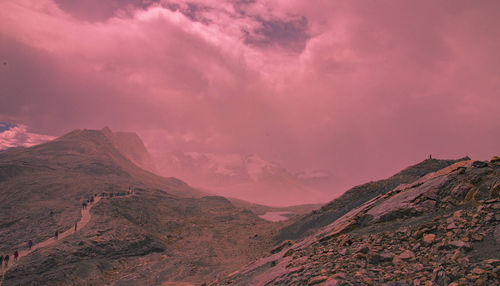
16,255
30,244
76,225
56,235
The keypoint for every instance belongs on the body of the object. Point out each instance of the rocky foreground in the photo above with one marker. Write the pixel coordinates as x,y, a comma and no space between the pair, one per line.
442,229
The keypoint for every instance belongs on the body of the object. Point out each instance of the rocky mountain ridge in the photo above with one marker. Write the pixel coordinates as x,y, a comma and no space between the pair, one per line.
442,229
358,195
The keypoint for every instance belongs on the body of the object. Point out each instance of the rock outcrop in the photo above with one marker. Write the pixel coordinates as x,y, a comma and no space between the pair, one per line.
358,195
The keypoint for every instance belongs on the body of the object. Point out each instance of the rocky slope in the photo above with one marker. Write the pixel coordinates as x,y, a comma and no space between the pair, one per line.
442,229
357,196
166,231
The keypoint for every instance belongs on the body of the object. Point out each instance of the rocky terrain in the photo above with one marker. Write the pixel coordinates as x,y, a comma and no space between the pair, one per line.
435,223
357,196
441,229
166,232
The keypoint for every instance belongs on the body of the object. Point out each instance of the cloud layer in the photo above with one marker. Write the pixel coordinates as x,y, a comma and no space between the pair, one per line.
359,88
12,135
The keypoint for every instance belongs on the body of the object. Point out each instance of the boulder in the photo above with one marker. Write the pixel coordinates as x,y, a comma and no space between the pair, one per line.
404,256
495,190
331,282
377,258
282,246
317,279
460,244
479,164
460,191
497,234
365,248
429,238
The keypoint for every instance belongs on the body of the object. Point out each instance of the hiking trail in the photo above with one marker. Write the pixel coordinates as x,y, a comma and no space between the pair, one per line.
80,224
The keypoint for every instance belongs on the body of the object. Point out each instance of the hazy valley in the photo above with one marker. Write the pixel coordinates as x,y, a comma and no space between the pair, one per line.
432,222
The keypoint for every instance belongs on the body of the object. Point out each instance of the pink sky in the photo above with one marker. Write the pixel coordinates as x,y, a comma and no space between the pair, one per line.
359,88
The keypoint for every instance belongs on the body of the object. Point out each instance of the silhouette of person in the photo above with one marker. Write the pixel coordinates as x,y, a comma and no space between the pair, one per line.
16,255
76,225
30,244
56,235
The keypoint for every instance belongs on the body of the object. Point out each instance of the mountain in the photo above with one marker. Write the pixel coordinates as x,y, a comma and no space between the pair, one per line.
441,229
128,143
14,135
357,196
165,231
249,178
131,145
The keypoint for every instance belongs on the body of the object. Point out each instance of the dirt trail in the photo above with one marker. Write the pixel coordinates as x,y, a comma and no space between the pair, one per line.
80,224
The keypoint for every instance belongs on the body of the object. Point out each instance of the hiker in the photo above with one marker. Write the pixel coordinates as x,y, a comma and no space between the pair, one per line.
56,235
16,255
51,213
91,199
76,224
6,260
30,244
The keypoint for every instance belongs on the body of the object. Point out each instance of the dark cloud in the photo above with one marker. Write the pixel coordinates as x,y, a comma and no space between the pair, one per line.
287,34
101,10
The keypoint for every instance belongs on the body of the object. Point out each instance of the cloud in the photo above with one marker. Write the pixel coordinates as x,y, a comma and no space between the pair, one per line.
360,89
13,135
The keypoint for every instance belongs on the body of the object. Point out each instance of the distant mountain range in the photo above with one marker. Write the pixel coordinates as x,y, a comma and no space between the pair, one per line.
249,177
